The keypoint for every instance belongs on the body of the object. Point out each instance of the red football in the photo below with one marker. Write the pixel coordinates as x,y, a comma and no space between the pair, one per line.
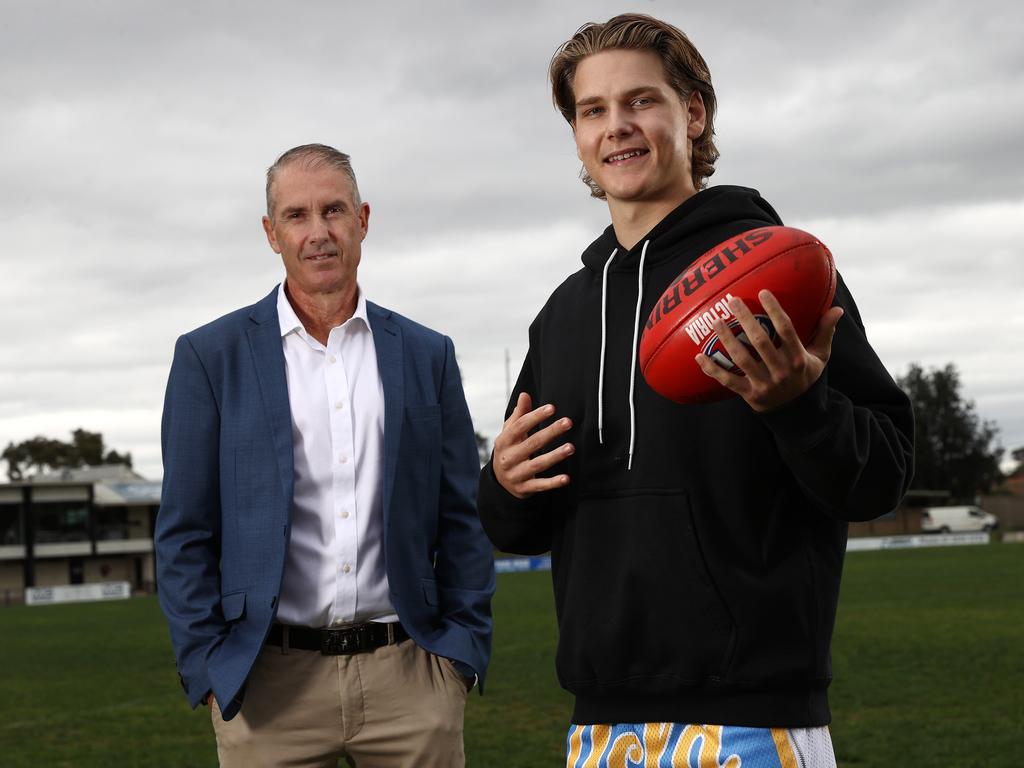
794,265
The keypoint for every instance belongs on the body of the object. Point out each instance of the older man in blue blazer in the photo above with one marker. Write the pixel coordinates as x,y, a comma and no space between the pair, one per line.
320,560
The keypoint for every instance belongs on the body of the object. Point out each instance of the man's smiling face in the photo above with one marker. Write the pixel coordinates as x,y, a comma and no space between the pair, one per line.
317,227
632,132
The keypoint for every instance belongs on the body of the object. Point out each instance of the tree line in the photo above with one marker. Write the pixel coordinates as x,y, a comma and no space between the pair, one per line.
43,454
954,449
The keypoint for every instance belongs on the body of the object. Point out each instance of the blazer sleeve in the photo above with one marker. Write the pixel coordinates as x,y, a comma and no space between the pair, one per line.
188,525
464,564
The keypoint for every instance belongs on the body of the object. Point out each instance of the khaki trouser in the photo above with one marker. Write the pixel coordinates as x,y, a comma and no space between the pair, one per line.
397,707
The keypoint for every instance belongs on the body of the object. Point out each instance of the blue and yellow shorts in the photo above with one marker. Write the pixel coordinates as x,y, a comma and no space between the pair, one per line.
678,745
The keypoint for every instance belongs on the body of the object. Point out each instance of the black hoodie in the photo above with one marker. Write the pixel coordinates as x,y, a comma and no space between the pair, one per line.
700,584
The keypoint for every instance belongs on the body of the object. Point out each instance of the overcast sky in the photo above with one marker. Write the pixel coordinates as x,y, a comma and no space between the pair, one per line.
135,137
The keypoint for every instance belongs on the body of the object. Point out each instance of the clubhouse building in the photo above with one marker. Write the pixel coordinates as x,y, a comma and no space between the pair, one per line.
79,526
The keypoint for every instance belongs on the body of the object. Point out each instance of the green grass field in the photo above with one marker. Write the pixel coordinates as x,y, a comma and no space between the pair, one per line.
927,658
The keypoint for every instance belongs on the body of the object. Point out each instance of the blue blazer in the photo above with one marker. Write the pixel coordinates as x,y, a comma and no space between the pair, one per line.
225,511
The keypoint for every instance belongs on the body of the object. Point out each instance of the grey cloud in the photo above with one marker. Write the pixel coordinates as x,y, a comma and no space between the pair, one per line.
135,141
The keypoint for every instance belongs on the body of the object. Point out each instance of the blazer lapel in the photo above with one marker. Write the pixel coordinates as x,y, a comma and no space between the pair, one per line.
387,339
268,355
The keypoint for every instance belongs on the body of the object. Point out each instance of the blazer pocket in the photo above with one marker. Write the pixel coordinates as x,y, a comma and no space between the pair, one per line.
232,605
430,591
422,412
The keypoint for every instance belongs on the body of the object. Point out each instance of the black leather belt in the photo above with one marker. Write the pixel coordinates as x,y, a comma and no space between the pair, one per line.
338,641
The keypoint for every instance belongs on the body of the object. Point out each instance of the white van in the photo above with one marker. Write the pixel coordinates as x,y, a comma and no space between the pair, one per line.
957,519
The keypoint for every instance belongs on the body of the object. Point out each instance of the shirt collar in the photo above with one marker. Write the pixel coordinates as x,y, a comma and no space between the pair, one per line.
290,322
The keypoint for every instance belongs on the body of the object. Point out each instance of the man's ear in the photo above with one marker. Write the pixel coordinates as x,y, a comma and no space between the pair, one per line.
364,220
696,116
268,228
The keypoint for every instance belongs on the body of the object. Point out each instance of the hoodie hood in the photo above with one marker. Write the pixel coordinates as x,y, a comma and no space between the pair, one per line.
699,216
708,210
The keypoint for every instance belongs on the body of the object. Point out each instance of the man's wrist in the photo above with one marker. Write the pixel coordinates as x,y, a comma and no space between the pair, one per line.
466,672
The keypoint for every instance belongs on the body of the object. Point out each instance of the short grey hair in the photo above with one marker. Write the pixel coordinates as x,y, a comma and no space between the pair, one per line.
312,156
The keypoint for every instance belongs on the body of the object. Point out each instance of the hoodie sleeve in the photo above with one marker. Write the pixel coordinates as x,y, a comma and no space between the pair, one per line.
849,440
518,526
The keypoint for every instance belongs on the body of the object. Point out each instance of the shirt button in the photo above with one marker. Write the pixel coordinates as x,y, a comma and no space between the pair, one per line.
346,568
339,405
344,514
343,460
333,359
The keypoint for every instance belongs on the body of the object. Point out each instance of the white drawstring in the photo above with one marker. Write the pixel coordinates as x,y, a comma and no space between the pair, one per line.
604,340
632,358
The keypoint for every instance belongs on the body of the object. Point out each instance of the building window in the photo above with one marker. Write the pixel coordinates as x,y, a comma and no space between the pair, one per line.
10,525
61,521
118,523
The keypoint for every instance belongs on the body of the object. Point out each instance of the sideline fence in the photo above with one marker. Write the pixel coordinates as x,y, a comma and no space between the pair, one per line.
860,544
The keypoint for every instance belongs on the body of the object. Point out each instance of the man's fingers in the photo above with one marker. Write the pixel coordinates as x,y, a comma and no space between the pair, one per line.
737,384
547,460
523,405
756,333
821,344
543,437
517,436
520,478
514,464
539,484
521,427
519,452
784,329
711,368
736,349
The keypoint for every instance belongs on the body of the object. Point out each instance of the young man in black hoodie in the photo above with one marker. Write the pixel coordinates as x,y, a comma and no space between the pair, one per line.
696,549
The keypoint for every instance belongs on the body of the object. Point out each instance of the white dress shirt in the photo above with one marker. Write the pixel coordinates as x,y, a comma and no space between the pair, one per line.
334,568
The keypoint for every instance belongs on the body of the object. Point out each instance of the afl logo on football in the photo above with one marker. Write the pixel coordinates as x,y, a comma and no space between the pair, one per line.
717,351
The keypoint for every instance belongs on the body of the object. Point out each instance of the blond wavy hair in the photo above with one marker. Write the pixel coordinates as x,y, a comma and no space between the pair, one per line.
685,70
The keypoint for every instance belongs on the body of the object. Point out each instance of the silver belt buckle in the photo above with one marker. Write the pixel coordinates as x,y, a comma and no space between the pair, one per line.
340,642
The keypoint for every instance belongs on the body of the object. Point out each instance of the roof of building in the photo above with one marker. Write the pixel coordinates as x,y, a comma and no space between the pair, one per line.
143,492
101,473
114,485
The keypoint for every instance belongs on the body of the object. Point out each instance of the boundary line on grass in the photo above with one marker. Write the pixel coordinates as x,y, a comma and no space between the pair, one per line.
859,544
522,564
